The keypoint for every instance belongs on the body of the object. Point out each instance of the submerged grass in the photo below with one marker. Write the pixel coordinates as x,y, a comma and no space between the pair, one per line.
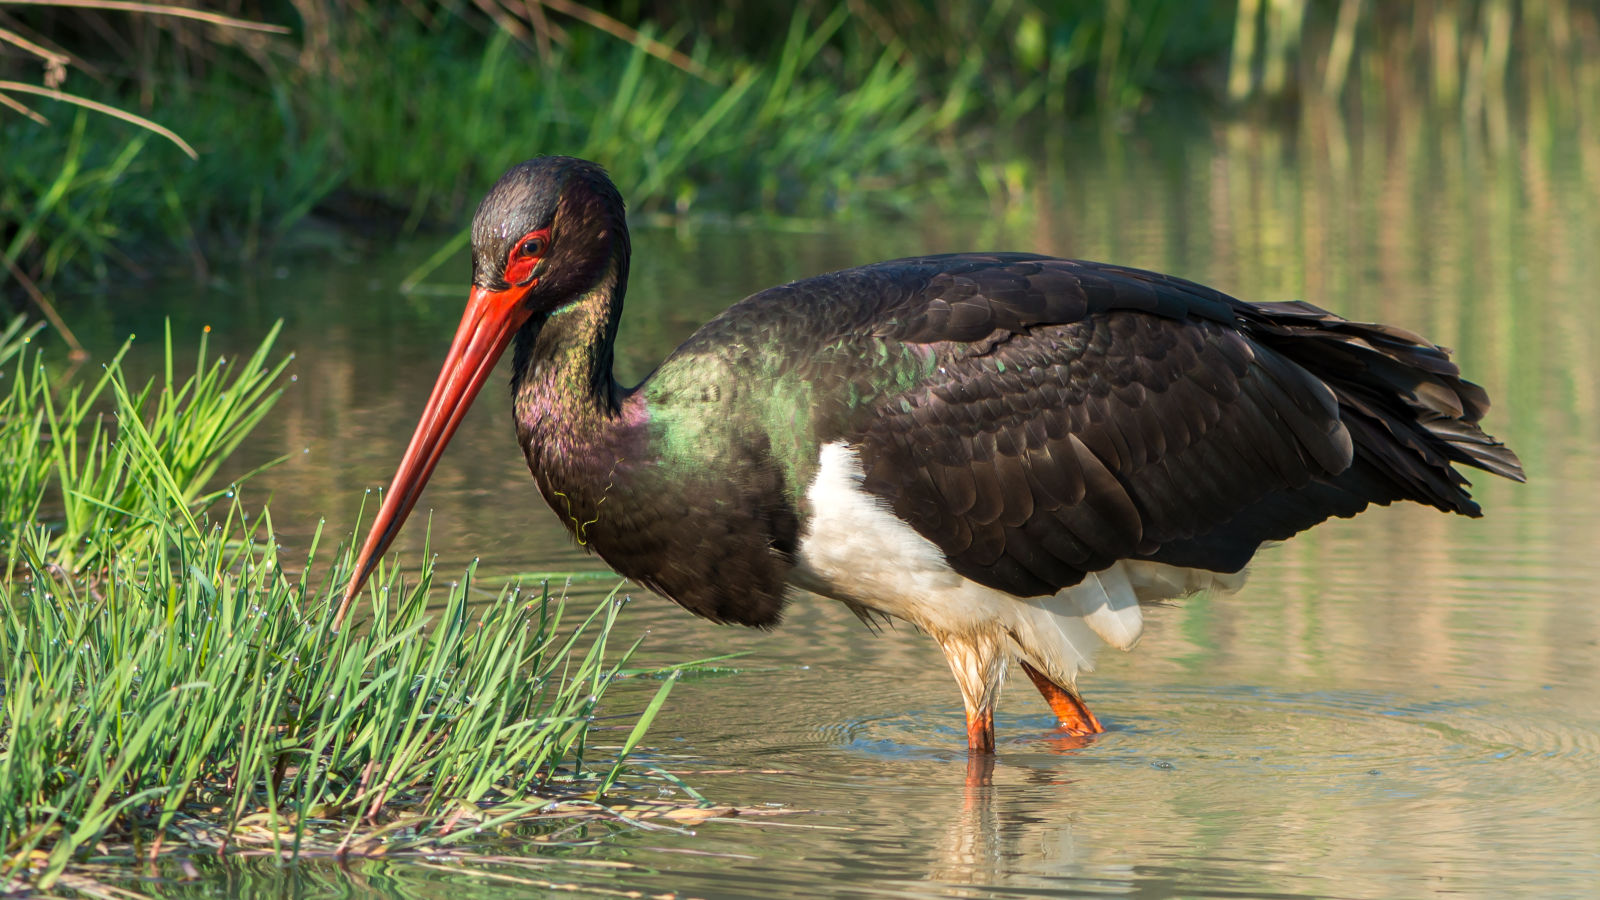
170,680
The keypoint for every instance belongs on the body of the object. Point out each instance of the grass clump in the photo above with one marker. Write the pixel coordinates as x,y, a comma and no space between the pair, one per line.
63,462
168,679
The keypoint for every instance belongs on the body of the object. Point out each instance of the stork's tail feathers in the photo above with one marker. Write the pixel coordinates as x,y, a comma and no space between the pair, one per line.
1409,411
1058,635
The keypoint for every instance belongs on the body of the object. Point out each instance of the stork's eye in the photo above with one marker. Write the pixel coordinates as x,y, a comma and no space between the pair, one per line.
526,255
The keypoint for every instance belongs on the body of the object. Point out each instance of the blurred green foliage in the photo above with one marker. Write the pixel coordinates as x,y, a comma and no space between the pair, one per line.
395,116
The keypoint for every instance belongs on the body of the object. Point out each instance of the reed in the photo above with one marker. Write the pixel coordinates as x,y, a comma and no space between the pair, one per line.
1454,53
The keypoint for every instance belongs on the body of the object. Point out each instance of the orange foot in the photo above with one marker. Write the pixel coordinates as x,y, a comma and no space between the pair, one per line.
1074,716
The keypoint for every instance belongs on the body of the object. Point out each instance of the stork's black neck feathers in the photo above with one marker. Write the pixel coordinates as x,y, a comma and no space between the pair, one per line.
562,359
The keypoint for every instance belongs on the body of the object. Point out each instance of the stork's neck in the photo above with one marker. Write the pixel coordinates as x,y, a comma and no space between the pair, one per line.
563,391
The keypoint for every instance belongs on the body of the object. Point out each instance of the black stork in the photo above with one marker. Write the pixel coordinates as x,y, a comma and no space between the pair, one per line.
1011,452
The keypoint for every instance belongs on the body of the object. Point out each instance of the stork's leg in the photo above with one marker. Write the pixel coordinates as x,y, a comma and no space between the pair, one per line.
1069,708
980,731
980,773
979,664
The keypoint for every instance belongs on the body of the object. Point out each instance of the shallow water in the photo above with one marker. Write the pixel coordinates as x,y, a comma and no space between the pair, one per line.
1397,705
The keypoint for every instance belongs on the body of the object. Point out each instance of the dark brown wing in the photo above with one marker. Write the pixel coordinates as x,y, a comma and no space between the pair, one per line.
1081,414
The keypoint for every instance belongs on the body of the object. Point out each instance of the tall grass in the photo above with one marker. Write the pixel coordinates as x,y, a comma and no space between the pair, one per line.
167,676
396,115
1458,54
774,136
94,473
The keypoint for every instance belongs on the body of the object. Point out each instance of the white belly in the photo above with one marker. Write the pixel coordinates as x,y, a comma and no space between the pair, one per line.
856,550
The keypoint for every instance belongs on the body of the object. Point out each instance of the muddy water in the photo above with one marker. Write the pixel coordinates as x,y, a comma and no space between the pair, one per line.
1399,705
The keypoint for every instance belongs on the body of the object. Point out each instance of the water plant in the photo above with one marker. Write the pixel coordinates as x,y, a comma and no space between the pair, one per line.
167,675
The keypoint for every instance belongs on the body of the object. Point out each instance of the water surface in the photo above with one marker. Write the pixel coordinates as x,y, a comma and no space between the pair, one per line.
1403,704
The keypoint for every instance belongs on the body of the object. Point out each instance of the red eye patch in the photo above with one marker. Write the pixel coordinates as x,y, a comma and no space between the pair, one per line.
525,254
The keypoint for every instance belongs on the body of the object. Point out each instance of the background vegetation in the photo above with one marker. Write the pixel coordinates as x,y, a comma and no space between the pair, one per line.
394,116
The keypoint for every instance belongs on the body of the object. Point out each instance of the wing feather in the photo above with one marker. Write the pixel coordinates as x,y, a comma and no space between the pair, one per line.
1085,414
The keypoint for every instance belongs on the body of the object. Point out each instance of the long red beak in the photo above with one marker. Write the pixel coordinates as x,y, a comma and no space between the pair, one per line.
492,317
